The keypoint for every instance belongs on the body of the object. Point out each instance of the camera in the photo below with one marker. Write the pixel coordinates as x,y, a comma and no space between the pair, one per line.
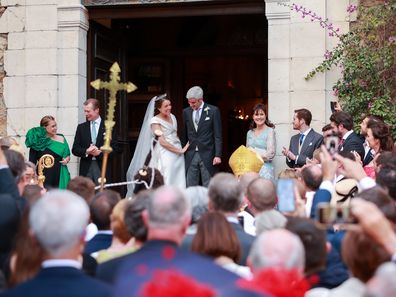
332,142
334,214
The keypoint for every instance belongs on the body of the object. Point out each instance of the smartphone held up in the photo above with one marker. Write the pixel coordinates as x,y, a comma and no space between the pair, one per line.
285,194
332,143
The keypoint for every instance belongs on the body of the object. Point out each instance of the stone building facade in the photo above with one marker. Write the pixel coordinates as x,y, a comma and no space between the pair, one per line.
43,47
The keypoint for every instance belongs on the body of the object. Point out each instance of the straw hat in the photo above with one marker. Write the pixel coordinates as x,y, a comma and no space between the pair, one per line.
344,190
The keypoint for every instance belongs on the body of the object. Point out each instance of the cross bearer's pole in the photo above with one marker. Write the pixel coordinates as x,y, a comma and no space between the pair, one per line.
113,86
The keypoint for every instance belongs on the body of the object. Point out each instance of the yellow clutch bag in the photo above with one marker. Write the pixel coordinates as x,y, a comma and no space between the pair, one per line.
245,160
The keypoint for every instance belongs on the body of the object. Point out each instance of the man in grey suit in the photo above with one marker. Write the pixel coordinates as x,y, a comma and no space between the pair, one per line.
202,129
302,145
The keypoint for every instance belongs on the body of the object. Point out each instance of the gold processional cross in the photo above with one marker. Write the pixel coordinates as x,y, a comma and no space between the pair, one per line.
113,86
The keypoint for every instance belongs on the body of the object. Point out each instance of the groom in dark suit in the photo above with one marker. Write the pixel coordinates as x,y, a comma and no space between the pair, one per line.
302,145
202,129
88,140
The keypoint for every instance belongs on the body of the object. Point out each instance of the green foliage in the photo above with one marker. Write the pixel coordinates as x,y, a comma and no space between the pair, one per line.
367,57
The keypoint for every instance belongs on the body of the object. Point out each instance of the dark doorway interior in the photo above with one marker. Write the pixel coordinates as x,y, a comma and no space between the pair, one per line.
225,54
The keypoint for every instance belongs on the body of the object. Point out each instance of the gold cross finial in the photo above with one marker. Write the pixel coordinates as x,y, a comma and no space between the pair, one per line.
113,86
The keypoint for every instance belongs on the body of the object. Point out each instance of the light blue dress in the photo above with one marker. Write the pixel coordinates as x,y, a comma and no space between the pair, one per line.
264,145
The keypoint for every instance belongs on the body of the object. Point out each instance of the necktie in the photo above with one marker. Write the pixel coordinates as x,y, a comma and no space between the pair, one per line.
340,147
93,132
301,138
196,118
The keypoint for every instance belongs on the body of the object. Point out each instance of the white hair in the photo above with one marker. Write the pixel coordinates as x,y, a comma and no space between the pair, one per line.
195,92
58,220
277,248
268,220
167,207
198,199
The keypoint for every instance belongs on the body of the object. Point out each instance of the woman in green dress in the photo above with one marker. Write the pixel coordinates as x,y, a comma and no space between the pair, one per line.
44,140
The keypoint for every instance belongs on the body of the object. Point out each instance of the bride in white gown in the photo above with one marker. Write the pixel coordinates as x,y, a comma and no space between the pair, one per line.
168,155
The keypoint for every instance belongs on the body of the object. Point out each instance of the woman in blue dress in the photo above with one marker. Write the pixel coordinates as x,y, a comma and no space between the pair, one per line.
261,139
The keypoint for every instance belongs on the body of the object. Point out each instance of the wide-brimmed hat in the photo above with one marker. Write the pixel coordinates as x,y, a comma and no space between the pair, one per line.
344,190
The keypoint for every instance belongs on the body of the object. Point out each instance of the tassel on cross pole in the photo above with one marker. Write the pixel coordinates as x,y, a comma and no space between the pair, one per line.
113,86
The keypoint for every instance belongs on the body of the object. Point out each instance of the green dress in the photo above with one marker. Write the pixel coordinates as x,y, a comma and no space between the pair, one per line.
57,176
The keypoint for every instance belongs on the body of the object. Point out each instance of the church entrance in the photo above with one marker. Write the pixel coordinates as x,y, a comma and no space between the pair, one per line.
170,47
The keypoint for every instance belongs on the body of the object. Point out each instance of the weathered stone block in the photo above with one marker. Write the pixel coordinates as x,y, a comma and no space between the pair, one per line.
14,91
67,121
315,101
279,41
41,61
41,91
300,67
278,78
307,40
278,107
16,40
14,62
41,17
13,20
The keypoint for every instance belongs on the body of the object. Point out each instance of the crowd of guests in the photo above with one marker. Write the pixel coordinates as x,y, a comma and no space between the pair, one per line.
226,239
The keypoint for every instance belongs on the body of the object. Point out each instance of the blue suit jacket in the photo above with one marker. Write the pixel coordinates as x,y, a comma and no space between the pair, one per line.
97,243
137,269
60,282
320,196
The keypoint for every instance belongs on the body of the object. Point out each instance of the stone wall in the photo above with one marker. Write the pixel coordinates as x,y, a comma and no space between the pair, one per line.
295,47
3,109
45,65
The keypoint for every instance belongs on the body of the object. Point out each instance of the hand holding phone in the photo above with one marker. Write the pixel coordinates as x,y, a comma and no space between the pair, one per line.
332,143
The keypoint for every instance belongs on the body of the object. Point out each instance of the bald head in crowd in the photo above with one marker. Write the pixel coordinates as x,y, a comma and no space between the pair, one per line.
312,177
261,195
246,178
277,248
168,215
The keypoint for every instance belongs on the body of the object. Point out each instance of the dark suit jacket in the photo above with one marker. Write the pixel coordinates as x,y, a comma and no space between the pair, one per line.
97,243
353,143
60,282
312,141
138,267
8,184
208,138
245,240
82,141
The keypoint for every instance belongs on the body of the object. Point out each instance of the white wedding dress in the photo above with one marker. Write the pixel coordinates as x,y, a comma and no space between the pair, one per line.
171,165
